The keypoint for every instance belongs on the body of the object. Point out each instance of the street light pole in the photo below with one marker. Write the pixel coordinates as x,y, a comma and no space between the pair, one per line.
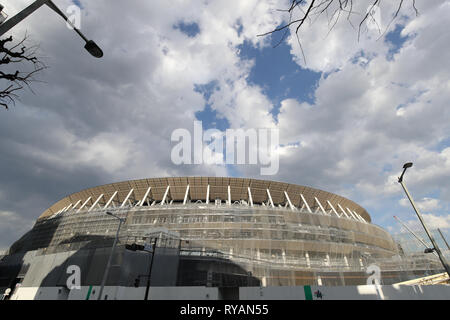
435,246
90,46
147,289
105,275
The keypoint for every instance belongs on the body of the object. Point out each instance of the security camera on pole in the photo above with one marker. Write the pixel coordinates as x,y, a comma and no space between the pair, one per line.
435,246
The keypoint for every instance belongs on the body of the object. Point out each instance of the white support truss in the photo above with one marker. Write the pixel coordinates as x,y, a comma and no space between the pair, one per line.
360,218
96,202
334,210
343,211
305,203
270,198
320,205
84,204
186,195
68,207
126,198
144,198
110,200
60,211
289,201
165,195
354,217
76,204
250,198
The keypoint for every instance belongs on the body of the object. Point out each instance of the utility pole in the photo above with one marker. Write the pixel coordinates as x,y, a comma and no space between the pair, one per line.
435,246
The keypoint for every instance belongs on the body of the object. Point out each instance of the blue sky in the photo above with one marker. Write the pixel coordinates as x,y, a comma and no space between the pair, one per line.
348,118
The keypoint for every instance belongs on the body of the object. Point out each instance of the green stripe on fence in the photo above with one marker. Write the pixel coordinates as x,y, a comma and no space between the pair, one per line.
89,293
308,293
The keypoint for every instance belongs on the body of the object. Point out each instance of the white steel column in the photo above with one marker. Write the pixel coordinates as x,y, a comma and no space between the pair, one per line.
343,211
84,204
250,197
95,203
126,198
289,201
60,211
308,262
68,207
207,195
320,205
360,218
165,195
270,198
229,196
144,198
332,208
186,195
110,200
354,217
76,204
305,203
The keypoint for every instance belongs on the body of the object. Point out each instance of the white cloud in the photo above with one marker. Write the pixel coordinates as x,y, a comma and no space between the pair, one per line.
424,205
98,121
432,222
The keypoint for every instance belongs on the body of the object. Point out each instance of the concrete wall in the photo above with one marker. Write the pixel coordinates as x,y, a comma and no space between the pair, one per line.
367,292
372,292
116,293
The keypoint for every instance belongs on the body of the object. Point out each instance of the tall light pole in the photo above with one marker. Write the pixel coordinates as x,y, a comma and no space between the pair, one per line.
105,275
435,246
90,46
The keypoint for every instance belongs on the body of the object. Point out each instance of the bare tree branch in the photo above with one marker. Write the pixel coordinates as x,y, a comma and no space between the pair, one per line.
317,8
18,56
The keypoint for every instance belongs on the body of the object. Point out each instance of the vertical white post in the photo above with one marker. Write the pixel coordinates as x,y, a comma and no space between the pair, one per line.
250,197
270,198
126,198
144,198
289,201
207,195
229,196
165,195
186,195
305,203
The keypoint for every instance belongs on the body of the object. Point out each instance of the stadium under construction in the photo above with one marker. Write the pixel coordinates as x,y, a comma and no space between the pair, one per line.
209,232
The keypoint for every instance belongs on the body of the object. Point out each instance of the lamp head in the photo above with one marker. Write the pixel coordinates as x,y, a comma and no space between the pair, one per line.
93,49
407,165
